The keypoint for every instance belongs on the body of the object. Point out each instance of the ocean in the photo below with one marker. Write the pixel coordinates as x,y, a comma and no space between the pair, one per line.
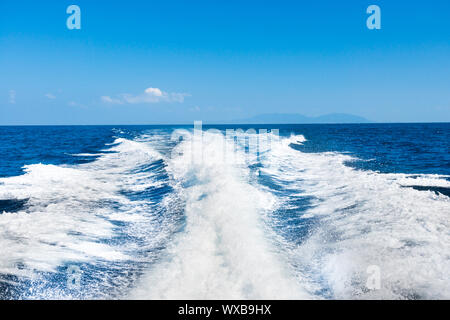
337,211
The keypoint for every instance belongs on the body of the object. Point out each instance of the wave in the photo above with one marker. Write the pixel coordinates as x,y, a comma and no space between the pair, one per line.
364,219
82,215
225,249
145,219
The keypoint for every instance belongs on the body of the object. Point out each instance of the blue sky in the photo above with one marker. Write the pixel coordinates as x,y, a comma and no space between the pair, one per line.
138,62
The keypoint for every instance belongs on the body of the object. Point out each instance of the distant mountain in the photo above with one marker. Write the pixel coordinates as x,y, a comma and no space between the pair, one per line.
284,118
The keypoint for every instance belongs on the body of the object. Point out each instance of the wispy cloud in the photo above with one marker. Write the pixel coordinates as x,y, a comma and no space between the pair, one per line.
150,95
108,99
12,96
76,104
50,96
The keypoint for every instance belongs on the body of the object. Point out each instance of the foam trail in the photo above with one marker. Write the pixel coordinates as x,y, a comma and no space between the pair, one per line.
224,251
81,215
284,224
364,218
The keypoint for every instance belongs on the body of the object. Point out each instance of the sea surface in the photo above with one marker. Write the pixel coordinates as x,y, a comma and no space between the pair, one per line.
354,211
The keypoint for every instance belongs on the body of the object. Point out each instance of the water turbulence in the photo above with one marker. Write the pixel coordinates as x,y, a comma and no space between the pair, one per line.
147,219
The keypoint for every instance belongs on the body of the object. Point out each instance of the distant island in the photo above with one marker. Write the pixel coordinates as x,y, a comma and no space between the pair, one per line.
291,118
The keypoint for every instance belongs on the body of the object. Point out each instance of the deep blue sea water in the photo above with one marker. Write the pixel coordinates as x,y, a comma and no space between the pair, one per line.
133,211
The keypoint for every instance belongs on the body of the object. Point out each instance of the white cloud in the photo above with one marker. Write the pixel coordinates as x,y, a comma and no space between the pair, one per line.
50,96
108,99
154,92
12,96
150,95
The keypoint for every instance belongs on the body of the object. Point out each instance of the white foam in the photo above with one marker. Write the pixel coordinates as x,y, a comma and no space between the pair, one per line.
293,139
70,212
228,248
225,251
367,218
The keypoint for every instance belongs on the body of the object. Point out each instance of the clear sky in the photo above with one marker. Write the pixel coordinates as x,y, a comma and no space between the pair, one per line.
138,62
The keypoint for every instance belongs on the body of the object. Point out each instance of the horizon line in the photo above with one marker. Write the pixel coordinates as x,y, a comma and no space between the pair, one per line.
218,124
